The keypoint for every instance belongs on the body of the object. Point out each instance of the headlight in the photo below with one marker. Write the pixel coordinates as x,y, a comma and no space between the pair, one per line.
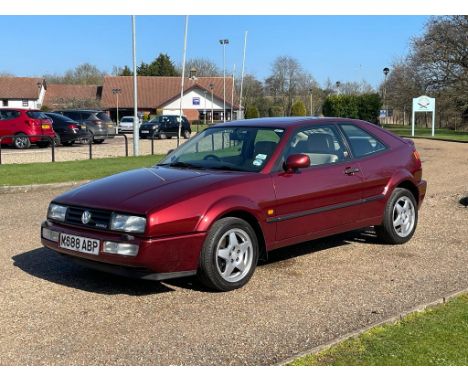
57,212
128,223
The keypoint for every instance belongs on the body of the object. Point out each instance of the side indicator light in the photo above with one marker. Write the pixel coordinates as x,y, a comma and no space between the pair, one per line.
270,212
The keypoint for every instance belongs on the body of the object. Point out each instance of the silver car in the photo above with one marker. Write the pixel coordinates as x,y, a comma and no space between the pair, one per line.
126,125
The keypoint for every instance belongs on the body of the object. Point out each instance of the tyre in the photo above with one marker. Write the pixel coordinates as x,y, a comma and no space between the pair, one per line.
21,141
162,136
186,134
70,143
43,145
98,141
400,218
229,255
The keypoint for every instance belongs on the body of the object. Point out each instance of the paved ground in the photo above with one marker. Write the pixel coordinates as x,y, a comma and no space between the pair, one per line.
53,312
110,148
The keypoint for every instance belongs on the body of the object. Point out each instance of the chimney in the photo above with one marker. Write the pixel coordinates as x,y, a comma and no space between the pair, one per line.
193,73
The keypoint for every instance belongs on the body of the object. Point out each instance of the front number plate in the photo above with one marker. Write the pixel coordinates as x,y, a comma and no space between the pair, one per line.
79,244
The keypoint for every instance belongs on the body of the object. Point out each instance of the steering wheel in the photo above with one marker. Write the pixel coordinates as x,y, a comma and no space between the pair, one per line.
212,157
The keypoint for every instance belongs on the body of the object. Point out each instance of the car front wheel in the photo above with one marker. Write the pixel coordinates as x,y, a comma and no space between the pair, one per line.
400,218
229,255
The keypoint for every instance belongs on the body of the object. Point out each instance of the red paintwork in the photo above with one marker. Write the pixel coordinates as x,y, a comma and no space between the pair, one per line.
26,125
182,204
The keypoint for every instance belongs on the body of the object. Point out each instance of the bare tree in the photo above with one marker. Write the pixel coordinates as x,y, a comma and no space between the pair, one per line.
84,74
287,81
203,67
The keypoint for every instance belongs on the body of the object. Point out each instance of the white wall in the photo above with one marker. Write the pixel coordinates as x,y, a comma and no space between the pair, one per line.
32,104
187,102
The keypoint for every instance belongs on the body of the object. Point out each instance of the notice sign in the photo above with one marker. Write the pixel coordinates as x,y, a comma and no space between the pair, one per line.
196,101
423,103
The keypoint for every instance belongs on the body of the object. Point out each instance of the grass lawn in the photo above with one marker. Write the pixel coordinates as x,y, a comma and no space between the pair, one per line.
40,173
436,336
426,133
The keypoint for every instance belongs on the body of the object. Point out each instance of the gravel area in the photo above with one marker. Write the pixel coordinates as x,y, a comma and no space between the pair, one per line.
57,313
110,148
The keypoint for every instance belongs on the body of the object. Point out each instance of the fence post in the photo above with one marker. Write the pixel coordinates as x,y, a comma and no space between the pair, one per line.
53,149
90,144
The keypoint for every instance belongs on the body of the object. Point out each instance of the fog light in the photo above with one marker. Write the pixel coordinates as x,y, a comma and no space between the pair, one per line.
50,235
123,249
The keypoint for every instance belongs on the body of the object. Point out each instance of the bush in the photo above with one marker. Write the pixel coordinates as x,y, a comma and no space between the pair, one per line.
251,112
298,109
276,111
364,106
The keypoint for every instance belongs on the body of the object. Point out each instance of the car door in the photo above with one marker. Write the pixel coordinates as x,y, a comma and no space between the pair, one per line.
325,195
375,164
3,124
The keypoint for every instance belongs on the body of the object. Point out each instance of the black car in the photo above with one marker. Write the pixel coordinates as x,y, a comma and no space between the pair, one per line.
165,126
67,129
97,122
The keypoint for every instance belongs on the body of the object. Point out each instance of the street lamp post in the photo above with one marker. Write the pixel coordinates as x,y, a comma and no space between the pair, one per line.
224,42
117,91
39,88
212,111
385,72
338,83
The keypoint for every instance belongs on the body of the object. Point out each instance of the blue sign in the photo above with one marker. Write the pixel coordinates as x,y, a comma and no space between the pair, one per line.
383,113
196,101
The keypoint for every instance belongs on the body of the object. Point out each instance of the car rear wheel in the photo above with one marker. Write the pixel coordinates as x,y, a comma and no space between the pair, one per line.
21,141
400,218
229,255
186,134
98,141
162,136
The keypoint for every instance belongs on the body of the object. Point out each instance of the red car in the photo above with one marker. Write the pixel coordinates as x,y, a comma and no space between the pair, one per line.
27,126
235,192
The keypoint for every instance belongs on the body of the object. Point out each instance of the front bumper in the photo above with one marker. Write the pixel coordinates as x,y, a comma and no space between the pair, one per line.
157,259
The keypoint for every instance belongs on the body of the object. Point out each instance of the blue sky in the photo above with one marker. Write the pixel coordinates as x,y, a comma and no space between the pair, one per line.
344,48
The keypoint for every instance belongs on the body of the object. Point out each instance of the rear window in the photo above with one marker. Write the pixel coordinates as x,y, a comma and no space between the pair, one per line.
103,117
59,117
36,115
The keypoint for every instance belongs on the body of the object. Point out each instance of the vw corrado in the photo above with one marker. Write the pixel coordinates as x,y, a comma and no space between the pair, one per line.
236,191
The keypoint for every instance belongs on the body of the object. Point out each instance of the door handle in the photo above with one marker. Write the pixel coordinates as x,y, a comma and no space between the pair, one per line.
351,170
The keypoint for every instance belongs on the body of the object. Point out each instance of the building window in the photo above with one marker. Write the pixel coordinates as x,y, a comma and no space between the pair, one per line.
25,103
4,102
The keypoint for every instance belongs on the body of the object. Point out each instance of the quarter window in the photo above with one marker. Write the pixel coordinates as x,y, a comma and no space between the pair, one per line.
362,143
321,144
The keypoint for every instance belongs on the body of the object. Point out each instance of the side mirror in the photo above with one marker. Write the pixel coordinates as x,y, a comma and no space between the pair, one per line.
295,162
169,151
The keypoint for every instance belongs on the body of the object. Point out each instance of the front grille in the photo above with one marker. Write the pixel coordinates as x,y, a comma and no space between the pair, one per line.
100,219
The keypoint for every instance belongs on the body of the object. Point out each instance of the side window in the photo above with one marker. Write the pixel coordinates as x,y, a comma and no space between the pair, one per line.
362,143
9,114
322,144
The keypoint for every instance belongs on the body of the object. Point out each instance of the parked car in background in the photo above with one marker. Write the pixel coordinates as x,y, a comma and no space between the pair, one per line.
97,122
25,125
235,192
165,126
67,129
126,125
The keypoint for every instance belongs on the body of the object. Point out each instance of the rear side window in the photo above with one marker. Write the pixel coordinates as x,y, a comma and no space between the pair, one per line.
36,115
103,117
362,143
8,114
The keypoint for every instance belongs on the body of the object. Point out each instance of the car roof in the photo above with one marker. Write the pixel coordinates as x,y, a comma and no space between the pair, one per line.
283,122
